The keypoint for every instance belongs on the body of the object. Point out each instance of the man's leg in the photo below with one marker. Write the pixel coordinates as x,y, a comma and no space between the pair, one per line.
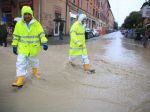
1,41
5,42
21,66
71,60
34,62
60,35
86,64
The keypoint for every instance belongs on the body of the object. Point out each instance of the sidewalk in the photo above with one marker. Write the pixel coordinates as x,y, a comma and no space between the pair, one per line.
55,40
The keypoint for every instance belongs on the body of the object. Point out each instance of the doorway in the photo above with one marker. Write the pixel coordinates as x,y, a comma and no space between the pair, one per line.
56,28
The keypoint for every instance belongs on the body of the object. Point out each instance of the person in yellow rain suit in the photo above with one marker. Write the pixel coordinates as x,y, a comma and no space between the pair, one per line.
77,43
28,37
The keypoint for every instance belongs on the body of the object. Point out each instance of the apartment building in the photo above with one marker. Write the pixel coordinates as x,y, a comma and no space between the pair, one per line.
48,12
97,11
12,8
110,20
88,7
51,12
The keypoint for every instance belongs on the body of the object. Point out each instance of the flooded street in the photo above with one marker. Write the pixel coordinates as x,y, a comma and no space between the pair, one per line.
120,84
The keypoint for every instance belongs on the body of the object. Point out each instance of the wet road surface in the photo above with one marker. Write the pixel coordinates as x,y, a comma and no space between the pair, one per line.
120,84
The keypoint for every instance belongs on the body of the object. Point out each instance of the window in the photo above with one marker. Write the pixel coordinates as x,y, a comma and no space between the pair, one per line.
74,1
81,3
87,5
94,2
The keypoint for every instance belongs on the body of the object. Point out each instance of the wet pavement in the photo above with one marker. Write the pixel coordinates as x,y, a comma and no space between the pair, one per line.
120,84
55,40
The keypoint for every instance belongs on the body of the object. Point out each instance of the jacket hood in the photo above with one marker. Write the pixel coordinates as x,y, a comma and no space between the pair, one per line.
81,17
26,9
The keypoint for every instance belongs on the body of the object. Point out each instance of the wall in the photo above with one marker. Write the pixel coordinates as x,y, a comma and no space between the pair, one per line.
48,10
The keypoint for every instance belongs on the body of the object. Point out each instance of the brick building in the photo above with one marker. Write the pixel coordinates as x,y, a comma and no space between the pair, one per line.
89,7
110,20
98,12
12,8
51,12
48,12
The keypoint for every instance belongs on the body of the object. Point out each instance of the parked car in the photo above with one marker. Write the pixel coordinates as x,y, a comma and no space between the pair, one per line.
88,33
95,32
110,31
124,32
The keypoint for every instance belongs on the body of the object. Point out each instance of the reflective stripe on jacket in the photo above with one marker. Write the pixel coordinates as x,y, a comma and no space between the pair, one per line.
28,39
77,40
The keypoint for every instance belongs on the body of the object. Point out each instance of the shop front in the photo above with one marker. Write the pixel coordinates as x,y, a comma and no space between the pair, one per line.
57,20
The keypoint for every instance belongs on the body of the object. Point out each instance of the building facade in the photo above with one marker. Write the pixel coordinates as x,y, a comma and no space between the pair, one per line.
51,12
110,20
97,11
12,8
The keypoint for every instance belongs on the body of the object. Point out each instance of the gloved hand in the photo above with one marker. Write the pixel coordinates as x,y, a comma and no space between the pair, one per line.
45,46
15,50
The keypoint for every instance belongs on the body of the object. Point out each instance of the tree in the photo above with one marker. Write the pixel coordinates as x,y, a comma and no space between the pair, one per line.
134,20
115,25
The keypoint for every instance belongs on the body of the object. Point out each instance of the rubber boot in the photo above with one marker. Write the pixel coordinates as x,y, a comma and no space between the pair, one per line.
19,82
86,68
35,73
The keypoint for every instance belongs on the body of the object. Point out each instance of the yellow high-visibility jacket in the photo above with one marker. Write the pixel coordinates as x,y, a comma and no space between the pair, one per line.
28,40
77,40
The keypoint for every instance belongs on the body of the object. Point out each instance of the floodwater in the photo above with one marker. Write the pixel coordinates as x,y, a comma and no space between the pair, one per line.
120,84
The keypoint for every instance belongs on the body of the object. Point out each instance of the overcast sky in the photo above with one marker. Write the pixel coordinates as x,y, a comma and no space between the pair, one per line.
122,8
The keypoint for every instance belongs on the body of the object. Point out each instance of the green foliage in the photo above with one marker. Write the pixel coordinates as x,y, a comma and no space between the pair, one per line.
115,25
134,20
140,30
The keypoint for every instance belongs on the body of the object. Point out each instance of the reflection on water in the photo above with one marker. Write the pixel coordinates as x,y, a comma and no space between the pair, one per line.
126,51
118,53
121,82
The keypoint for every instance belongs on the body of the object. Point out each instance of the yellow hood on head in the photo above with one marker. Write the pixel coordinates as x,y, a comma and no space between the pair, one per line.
26,9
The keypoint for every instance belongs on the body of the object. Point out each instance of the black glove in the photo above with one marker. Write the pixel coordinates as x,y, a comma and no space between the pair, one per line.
15,50
45,46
